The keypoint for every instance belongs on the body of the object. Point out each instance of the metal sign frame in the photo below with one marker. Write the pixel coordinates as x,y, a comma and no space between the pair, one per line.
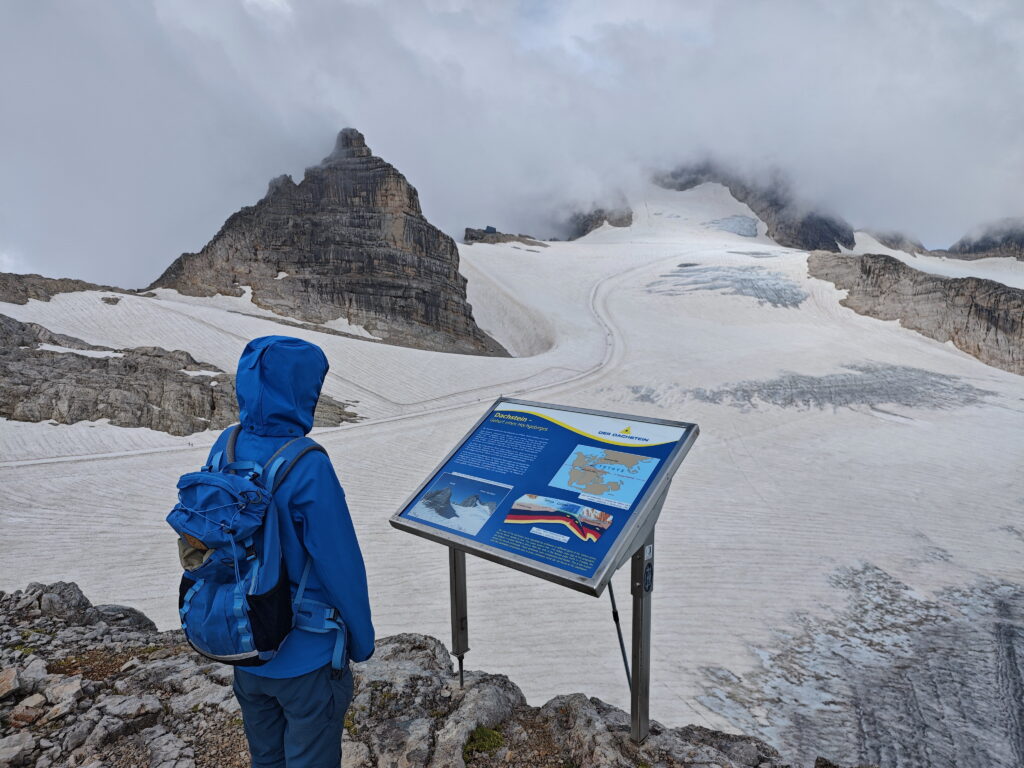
641,520
635,542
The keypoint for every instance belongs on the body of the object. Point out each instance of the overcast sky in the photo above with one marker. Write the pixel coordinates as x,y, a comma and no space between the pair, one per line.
130,130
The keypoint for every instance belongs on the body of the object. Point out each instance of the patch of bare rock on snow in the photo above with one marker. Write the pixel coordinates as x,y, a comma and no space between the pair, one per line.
99,687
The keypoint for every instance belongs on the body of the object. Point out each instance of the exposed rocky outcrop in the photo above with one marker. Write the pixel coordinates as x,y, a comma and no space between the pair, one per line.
898,241
48,376
1002,239
348,241
18,289
790,223
492,236
96,686
982,317
583,223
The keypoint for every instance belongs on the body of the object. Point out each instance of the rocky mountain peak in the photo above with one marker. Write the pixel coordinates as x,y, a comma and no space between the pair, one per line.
350,143
350,242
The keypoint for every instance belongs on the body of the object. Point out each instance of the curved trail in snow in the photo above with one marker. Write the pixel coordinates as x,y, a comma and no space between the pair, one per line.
597,304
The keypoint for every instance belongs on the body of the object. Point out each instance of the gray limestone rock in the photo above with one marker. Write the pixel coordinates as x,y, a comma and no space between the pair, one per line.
136,387
18,289
492,236
348,241
16,748
981,317
150,700
123,615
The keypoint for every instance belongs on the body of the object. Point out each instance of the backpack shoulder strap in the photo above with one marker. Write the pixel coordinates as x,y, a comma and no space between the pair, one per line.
280,464
232,439
226,455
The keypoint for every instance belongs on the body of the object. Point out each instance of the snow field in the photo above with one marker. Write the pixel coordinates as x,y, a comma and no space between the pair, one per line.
770,502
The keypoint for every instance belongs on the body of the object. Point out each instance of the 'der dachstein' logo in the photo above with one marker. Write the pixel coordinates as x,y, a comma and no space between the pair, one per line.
626,434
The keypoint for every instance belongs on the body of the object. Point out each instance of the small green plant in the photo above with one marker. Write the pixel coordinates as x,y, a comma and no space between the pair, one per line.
483,740
350,725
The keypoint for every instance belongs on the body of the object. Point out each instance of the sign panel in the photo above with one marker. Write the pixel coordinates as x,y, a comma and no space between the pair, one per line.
555,491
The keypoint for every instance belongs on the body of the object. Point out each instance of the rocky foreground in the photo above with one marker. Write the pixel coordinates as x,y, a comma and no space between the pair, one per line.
98,686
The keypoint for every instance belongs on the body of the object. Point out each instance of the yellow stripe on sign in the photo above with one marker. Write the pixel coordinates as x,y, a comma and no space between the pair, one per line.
587,434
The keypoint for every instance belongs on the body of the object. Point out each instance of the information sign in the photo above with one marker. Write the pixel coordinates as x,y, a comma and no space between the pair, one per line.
564,493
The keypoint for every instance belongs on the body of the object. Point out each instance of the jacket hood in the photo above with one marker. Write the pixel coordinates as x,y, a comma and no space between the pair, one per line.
278,385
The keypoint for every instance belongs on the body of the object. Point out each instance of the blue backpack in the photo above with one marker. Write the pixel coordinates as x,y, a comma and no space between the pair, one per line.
235,599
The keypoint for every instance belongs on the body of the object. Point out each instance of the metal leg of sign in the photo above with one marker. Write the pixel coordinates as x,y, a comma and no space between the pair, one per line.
641,585
460,620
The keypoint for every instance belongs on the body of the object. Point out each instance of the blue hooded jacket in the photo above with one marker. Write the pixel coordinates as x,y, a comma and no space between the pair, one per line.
278,385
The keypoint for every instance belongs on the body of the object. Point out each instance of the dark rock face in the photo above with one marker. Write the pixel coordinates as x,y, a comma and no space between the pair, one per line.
982,317
138,387
492,236
348,241
581,224
1004,238
898,241
79,690
789,223
18,289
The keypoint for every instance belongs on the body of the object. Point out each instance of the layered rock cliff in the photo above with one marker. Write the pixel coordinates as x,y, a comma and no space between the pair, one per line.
492,236
982,317
348,241
790,223
46,376
1002,239
97,686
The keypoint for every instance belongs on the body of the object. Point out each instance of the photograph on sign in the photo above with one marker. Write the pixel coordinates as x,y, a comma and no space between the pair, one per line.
554,486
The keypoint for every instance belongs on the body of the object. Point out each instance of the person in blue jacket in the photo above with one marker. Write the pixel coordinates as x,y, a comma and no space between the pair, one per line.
293,707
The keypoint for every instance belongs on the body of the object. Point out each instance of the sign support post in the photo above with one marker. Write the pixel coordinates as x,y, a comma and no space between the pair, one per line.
641,585
460,618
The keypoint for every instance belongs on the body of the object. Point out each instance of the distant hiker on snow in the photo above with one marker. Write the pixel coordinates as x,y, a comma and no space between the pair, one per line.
274,581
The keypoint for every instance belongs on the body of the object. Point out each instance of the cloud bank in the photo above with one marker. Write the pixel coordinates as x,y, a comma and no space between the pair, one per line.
130,131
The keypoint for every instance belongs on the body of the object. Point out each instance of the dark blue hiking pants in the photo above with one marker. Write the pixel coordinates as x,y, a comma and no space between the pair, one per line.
295,722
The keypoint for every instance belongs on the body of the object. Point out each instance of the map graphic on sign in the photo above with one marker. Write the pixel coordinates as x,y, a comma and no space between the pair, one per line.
610,477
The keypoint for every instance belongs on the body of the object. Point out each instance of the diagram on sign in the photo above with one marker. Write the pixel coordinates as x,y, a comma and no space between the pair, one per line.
460,502
586,523
609,477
